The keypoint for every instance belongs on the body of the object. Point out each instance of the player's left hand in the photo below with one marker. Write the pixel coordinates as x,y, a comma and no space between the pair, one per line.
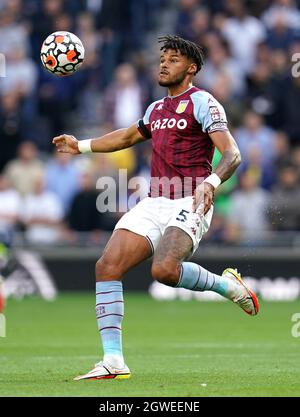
203,198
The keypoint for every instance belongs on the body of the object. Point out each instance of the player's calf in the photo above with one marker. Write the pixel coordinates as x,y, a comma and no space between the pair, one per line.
230,285
108,271
166,272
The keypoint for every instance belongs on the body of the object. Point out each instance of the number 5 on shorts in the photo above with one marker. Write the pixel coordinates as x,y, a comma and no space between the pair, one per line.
182,216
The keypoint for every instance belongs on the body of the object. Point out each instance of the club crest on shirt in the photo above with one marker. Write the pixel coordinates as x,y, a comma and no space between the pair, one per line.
182,106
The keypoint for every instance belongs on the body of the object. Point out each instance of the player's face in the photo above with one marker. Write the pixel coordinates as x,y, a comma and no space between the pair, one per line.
174,67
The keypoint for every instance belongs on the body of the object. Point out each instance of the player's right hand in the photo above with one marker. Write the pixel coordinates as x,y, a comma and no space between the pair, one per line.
203,198
66,144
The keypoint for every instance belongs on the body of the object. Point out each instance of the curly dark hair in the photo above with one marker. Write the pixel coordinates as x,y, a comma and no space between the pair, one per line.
190,49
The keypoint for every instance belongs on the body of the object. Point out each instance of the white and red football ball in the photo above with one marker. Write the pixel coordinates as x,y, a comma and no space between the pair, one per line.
62,53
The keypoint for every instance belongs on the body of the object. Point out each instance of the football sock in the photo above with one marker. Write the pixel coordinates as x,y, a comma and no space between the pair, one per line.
195,277
110,312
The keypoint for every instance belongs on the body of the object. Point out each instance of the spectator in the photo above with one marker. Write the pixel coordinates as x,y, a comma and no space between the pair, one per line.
284,206
278,82
184,18
42,215
11,124
200,24
295,158
44,21
243,33
100,165
219,62
83,215
112,21
62,178
13,35
280,35
222,231
15,8
248,208
64,22
289,105
21,80
90,39
89,103
255,135
94,6
282,151
264,172
124,98
285,9
260,93
56,100
24,171
10,209
141,18
267,84
21,74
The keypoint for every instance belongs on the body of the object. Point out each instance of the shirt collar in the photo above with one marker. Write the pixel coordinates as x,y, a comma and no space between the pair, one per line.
178,95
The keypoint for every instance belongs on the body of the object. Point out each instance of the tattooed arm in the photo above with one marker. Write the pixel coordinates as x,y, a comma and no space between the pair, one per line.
231,159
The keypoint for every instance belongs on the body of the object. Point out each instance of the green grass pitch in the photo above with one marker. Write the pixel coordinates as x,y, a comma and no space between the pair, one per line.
174,348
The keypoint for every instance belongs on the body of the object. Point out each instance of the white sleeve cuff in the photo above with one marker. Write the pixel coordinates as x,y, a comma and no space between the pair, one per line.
214,180
85,146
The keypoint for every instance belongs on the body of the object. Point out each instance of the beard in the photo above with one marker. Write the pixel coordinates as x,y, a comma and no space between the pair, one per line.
173,82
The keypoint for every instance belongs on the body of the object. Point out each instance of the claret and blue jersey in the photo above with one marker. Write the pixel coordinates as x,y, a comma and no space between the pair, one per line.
179,127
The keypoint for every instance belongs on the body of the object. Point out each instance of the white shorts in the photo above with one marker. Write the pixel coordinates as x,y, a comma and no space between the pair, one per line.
151,216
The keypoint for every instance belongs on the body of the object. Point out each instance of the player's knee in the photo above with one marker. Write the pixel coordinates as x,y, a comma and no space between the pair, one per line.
165,272
107,271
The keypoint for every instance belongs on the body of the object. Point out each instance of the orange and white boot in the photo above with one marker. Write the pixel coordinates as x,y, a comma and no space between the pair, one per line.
241,294
105,371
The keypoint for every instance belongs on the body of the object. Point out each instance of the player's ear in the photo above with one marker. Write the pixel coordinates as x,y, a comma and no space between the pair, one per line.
192,69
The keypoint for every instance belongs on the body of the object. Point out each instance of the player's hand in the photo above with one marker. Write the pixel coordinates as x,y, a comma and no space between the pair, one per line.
66,144
203,198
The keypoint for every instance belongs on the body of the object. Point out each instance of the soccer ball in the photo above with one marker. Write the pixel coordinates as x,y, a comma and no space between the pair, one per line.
62,53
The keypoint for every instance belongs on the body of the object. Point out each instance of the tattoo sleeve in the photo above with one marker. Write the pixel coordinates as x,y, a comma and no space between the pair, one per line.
230,160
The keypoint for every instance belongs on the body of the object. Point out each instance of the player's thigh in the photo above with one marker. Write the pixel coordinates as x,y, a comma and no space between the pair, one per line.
174,246
124,250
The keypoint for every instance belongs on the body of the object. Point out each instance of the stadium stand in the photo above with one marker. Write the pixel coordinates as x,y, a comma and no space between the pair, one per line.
248,47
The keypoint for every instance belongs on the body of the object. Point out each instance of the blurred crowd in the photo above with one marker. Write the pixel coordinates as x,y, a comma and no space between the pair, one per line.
250,48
